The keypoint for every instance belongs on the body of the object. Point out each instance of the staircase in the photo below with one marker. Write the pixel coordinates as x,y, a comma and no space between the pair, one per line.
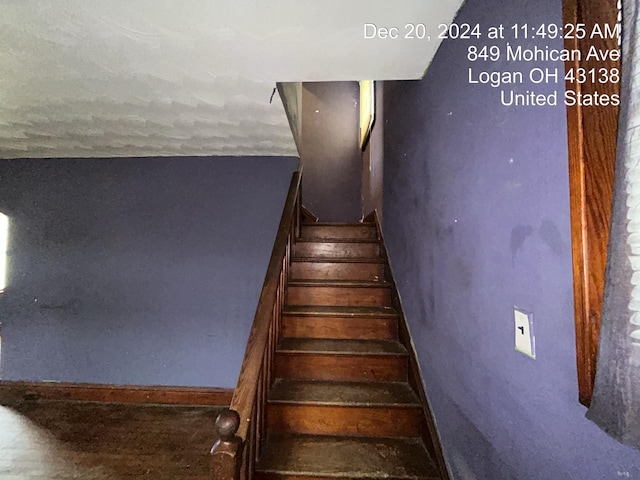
342,405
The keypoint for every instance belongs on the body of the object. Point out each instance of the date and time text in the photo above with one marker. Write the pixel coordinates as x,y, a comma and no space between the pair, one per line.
504,57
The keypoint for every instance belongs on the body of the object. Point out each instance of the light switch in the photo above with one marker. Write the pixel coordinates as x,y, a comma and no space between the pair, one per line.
525,341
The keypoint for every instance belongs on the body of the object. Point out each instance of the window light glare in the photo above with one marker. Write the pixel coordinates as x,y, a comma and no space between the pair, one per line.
367,110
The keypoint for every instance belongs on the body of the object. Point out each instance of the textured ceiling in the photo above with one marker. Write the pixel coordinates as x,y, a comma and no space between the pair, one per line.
88,78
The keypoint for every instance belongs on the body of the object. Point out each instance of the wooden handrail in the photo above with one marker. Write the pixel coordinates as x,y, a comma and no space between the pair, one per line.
236,444
247,386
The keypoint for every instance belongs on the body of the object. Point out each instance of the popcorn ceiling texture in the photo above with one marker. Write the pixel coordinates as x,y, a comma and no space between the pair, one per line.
147,77
74,82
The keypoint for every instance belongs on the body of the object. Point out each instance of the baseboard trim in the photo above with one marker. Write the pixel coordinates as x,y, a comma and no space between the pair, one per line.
88,392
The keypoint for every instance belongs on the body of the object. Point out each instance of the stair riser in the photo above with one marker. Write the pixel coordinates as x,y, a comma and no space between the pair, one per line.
339,327
320,232
312,366
336,249
337,271
284,476
277,476
344,421
339,296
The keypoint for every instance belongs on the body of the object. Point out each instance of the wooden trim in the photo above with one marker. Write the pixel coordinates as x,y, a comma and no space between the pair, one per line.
429,430
371,217
86,392
293,109
307,215
592,135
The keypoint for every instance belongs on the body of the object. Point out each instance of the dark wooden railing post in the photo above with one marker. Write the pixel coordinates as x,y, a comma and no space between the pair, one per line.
228,449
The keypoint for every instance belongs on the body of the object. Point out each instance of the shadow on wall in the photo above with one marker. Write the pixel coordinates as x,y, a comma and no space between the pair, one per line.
486,462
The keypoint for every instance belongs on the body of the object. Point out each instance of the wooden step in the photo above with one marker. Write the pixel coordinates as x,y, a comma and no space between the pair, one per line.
383,409
371,269
333,248
317,457
341,360
320,231
339,293
305,321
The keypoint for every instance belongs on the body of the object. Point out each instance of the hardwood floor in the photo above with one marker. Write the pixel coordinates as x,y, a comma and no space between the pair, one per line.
61,440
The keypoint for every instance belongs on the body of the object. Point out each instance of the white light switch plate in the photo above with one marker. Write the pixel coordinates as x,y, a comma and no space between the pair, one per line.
524,339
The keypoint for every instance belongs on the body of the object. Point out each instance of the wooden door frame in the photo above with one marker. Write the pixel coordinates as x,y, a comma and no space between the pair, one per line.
592,135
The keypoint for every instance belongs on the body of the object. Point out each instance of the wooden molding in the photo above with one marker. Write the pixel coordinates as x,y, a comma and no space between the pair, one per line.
592,135
85,392
307,215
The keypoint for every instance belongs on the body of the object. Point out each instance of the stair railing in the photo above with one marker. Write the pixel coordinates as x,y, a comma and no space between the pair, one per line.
240,429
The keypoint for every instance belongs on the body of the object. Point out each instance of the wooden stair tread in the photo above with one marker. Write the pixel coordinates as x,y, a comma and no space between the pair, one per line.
344,224
339,259
338,311
337,240
338,283
387,394
340,346
347,457
336,247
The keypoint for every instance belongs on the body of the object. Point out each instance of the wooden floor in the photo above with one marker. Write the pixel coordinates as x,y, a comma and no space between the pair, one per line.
47,440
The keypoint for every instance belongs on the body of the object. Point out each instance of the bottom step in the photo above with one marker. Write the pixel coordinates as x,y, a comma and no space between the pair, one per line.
293,457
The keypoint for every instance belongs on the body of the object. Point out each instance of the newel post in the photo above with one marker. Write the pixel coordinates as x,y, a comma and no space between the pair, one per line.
227,451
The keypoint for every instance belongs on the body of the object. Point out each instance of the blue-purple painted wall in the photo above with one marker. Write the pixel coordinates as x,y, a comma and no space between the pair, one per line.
330,152
477,222
136,271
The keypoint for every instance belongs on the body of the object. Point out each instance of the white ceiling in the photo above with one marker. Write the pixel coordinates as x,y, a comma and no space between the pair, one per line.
104,78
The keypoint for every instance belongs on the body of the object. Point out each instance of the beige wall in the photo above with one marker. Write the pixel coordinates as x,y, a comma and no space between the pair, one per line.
372,161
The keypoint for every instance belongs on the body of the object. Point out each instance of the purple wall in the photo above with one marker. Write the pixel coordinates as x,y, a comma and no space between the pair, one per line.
330,153
477,222
136,271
